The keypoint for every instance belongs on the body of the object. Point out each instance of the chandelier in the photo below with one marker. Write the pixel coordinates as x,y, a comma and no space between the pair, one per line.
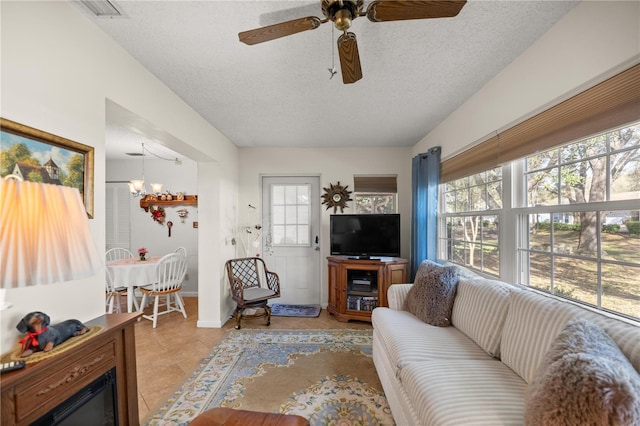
136,186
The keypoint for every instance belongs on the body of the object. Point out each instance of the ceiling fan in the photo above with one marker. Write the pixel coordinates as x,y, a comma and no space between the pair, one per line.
343,12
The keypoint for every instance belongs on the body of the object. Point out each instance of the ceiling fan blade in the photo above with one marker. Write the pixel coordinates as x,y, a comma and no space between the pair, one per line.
397,10
349,58
283,29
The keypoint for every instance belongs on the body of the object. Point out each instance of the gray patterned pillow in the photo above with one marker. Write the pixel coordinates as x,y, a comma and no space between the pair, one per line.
433,292
584,379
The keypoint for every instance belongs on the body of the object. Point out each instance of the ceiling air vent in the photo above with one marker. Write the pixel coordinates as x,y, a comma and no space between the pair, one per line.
103,8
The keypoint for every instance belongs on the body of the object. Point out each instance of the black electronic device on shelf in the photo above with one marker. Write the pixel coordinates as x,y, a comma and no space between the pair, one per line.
364,236
361,281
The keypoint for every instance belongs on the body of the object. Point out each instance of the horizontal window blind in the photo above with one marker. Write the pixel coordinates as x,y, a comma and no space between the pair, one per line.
377,183
612,103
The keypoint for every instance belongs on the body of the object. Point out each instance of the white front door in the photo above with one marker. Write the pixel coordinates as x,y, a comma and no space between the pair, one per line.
291,246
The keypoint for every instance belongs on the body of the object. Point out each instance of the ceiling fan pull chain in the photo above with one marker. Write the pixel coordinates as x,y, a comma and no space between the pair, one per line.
332,70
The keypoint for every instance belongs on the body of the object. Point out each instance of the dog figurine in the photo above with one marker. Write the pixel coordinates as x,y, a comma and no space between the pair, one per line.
43,337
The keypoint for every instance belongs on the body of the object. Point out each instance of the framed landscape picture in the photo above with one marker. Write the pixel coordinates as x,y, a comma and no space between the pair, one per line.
39,156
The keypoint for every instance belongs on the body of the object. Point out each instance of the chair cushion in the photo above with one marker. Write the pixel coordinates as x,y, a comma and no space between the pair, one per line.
432,295
257,293
583,379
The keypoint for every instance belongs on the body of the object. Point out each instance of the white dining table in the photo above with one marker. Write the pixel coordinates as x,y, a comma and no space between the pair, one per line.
133,272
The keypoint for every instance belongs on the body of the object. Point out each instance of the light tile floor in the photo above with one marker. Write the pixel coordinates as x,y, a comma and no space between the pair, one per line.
168,354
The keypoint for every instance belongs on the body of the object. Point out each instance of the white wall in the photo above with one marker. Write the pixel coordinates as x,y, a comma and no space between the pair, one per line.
333,165
145,232
58,71
594,41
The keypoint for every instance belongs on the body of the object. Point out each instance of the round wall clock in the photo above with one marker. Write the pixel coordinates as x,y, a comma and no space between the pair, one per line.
336,196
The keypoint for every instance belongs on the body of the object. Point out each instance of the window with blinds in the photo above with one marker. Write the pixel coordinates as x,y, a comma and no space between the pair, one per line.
612,103
554,202
117,216
375,193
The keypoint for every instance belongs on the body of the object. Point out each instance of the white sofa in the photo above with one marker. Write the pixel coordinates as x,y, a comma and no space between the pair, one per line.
477,370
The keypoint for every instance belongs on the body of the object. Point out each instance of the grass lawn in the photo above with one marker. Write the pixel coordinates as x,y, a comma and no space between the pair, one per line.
575,274
577,278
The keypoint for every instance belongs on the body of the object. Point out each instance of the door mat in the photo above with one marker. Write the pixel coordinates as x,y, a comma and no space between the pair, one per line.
307,311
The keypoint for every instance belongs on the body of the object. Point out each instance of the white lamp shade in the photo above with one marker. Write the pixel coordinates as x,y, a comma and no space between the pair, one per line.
137,185
44,235
156,188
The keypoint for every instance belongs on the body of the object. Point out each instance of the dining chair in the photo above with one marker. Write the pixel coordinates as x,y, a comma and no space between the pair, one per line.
181,250
118,253
170,273
113,296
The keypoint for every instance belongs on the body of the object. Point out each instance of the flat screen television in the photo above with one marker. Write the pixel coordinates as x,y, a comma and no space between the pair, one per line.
365,235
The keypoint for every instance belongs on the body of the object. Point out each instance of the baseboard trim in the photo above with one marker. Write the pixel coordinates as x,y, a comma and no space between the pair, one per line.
209,324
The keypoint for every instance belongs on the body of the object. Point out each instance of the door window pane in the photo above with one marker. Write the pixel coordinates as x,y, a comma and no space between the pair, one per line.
290,214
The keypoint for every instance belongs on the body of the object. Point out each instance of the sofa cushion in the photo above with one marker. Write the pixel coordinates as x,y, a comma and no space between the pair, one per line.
407,339
464,392
583,379
480,310
532,324
397,294
433,292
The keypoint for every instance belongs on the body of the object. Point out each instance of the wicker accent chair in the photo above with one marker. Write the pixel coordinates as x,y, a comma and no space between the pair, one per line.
252,285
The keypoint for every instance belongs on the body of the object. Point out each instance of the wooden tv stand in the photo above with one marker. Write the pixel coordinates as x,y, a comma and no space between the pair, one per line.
356,286
31,392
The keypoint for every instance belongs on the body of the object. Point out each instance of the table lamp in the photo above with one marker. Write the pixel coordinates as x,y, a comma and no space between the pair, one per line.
44,235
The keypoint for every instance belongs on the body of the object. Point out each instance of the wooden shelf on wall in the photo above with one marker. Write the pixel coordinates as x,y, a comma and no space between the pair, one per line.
153,200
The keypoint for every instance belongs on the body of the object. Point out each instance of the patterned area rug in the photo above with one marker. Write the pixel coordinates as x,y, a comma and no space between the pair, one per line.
326,376
309,311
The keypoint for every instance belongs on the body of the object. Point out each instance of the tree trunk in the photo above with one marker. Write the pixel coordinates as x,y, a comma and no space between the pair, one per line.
588,220
471,236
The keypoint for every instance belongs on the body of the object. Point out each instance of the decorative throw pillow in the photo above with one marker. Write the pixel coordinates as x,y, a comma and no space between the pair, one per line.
433,292
584,379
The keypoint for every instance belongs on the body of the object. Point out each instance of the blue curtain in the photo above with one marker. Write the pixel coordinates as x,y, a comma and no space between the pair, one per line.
424,188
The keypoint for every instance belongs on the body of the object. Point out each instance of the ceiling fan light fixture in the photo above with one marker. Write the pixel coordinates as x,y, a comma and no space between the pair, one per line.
342,20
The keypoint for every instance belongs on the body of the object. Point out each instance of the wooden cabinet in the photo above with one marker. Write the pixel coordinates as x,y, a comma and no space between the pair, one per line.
31,392
356,286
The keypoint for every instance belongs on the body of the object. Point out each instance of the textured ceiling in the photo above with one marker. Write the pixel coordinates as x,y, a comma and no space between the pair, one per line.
279,94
